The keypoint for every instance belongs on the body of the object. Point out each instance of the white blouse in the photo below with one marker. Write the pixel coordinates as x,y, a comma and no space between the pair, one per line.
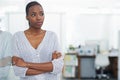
22,48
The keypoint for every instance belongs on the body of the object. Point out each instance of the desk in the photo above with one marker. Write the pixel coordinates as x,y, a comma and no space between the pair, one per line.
113,67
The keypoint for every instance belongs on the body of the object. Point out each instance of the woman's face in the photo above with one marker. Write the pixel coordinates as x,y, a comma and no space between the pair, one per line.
35,16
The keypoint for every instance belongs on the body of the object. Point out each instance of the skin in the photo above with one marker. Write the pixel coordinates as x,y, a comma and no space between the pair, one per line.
35,35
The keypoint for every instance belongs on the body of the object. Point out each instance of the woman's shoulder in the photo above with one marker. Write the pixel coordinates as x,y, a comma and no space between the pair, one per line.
18,34
50,32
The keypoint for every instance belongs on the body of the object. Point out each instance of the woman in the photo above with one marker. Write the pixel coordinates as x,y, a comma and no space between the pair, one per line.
36,51
5,54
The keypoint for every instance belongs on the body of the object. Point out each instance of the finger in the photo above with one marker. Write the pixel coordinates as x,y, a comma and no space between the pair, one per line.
16,57
15,60
59,55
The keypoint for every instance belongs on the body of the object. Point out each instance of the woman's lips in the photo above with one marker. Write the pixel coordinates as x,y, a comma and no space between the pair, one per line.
39,23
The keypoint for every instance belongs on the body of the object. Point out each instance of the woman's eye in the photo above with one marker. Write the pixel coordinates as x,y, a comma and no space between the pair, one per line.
33,15
41,14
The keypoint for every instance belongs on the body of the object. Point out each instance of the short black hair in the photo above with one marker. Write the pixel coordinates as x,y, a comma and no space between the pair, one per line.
33,3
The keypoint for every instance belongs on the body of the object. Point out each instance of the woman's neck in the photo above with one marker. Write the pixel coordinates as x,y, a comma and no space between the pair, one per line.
34,31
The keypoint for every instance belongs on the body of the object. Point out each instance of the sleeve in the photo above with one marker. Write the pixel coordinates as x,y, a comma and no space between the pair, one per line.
57,63
19,71
5,59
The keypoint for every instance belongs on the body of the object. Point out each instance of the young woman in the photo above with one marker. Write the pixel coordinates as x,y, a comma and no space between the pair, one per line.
37,55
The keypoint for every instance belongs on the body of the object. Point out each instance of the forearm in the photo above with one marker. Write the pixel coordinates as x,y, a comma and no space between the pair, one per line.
33,72
42,67
45,67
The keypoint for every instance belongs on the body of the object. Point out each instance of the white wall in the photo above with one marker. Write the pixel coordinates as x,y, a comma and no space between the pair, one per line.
92,26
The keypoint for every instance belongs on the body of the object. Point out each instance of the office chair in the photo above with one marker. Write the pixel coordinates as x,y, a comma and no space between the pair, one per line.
101,62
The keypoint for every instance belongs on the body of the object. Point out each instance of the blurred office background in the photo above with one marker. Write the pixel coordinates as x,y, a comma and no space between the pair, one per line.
76,22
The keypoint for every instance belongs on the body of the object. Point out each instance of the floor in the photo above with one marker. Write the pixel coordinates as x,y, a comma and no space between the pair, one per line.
89,79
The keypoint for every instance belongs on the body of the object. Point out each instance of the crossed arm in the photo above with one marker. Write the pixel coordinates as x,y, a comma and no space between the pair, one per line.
36,68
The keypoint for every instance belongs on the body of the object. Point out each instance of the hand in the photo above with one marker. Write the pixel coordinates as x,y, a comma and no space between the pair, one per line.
56,55
14,60
18,61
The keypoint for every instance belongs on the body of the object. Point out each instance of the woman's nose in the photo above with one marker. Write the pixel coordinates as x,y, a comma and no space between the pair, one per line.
39,17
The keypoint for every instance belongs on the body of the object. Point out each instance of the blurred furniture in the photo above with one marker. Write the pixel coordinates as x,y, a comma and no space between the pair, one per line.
70,66
112,67
101,62
86,68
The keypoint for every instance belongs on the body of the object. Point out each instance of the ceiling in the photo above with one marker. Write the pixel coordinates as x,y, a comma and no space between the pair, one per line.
6,5
63,2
